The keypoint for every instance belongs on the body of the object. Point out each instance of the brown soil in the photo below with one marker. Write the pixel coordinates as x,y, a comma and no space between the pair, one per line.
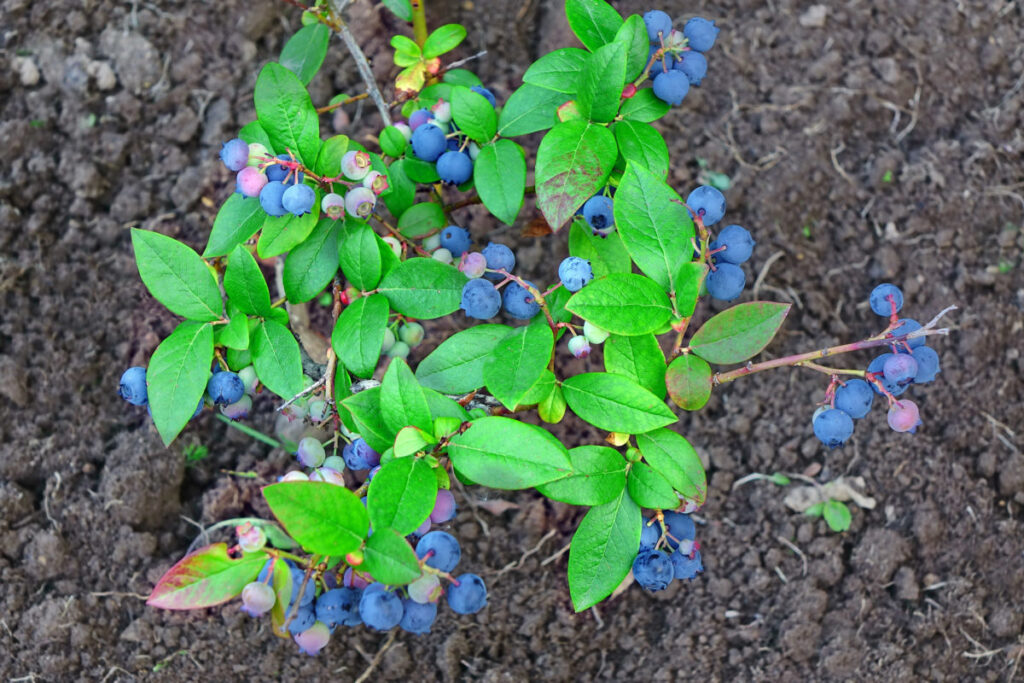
883,144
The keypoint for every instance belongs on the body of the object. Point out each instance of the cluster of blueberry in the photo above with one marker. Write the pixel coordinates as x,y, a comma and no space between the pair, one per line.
889,375
667,552
410,335
436,139
231,391
679,60
733,246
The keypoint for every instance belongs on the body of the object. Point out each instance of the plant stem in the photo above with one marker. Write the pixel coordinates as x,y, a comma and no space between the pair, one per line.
419,21
245,429
361,64
332,107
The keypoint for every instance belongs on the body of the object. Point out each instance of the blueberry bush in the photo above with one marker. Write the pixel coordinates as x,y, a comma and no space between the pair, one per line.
373,233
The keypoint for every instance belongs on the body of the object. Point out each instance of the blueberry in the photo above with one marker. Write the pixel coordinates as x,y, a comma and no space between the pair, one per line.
303,620
444,507
425,589
455,168
313,639
411,333
308,594
235,154
906,326
311,452
649,534
598,212
250,181
133,386
657,22
708,203
417,617
225,387
447,552
855,398
575,272
257,598
519,302
469,596
701,33
684,566
726,281
927,364
879,299
656,67
456,240
579,346
480,299
280,172
359,456
428,142
832,427
379,609
481,90
737,243
671,87
653,570
900,368
678,528
694,65
876,367
359,202
270,198
237,410
298,200
420,117
904,416
339,607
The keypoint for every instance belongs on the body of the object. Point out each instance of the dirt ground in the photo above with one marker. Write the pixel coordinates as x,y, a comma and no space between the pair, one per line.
879,140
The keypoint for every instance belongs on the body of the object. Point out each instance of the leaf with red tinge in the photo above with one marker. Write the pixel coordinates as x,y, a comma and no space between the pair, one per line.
205,578
688,380
573,162
739,333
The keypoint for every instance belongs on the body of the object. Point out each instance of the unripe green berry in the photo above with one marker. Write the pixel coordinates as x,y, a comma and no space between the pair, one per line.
411,334
594,334
399,350
389,340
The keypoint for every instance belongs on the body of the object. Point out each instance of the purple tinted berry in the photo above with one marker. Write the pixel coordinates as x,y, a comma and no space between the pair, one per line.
354,580
313,639
701,33
579,346
235,154
355,164
257,599
900,369
906,326
575,272
653,570
446,550
833,427
420,117
311,452
481,90
519,302
444,507
694,65
708,203
927,364
598,213
726,282
737,243
469,596
423,529
417,617
657,22
685,567
428,142
339,607
270,198
455,168
904,416
456,240
298,200
237,410
473,264
879,299
304,619
427,588
359,202
225,387
250,181
855,398
678,528
668,61
359,456
133,386
671,87
380,610
499,257
877,368
480,299
649,534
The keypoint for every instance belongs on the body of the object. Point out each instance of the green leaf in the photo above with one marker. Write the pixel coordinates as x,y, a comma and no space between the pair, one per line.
392,142
244,283
328,160
599,88
518,361
205,578
389,558
411,440
622,303
739,333
400,8
176,276
311,266
461,77
402,401
238,219
177,377
603,549
606,254
407,52
323,518
688,380
632,36
676,460
540,390
594,22
284,233
443,39
366,419
277,358
557,70
648,489
643,145
286,112
640,358
499,175
599,475
234,335
644,107
529,109
837,515
403,189
442,406
456,366
423,288
401,495
688,281
358,335
420,171
815,510
655,226
253,132
507,454
422,219
305,51
360,256
615,403
573,162
552,408
473,114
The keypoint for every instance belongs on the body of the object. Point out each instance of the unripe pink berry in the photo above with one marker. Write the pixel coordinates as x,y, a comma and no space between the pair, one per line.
904,416
257,599
376,181
327,475
251,538
250,181
355,164
313,639
473,264
355,558
359,202
444,507
579,346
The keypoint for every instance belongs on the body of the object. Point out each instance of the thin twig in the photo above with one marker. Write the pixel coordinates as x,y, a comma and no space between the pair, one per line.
377,657
305,392
337,6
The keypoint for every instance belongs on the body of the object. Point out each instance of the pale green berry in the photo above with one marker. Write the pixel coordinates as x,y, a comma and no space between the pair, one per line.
399,350
594,334
411,334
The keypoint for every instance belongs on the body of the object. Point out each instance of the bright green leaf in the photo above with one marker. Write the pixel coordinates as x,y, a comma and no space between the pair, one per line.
360,256
606,254
473,114
456,366
599,87
305,51
284,233
358,335
676,460
739,333
557,70
176,276
401,495
622,303
503,453
603,549
599,475
615,403
837,515
518,361
312,265
422,219
594,22
529,109
277,358
286,112
245,285
389,558
364,416
443,39
499,175
644,106
640,358
649,489
177,377
401,399
238,219
323,518
424,288
643,145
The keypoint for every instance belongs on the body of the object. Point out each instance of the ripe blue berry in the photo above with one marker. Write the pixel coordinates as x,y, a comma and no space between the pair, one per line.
480,299
339,607
456,240
877,367
879,299
281,172
649,534
469,597
313,639
257,598
684,566
298,199
575,272
455,167
499,257
694,65
359,456
653,570
444,507
598,212
701,33
271,196
235,154
900,368
855,398
906,326
678,528
519,302
666,62
420,117
380,610
308,594
428,142
927,364
708,203
225,387
417,617
671,86
726,281
304,619
481,90
133,386
447,552
737,242
832,427
657,22
311,452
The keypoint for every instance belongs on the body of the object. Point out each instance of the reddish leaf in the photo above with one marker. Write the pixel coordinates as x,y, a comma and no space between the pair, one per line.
205,578
688,379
